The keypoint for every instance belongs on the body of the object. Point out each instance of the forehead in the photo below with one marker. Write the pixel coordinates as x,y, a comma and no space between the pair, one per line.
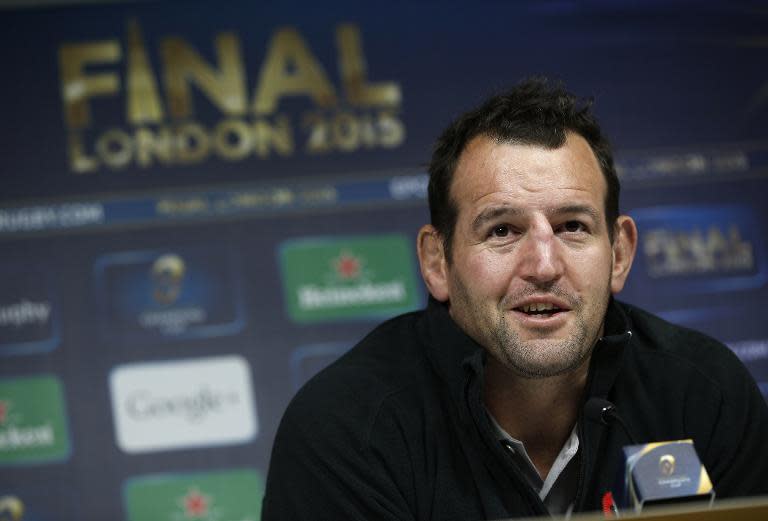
489,171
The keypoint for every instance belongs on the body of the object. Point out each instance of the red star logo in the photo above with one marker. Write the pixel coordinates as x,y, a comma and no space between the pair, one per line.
195,504
347,266
3,411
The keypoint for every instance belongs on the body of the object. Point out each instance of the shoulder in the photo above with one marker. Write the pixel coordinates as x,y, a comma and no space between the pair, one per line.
679,383
343,442
388,366
652,333
657,340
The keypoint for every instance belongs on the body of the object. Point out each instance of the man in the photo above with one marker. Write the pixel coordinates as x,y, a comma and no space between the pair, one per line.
474,408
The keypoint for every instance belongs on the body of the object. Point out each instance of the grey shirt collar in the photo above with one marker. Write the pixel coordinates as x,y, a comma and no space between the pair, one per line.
558,489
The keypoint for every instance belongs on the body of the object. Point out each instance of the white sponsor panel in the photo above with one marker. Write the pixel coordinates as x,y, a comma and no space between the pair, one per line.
183,404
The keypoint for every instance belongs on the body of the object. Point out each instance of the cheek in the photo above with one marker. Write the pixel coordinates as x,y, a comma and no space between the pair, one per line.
594,273
489,274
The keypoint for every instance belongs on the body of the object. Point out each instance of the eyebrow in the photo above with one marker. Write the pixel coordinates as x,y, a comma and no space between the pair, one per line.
494,212
576,209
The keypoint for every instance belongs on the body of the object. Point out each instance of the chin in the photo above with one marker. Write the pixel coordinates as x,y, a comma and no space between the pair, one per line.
541,371
554,359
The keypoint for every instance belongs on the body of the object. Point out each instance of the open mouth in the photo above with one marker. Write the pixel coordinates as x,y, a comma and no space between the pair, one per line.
540,309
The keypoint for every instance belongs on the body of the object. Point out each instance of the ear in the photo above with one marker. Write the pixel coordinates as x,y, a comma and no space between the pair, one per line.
434,267
624,247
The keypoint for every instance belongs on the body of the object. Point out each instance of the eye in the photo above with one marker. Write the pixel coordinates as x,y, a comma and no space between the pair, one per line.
501,230
574,226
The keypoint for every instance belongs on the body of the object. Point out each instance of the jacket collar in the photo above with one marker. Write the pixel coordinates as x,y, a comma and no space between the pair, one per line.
605,365
453,353
459,361
608,354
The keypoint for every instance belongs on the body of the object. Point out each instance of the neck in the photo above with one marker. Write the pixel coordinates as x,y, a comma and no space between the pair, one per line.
540,413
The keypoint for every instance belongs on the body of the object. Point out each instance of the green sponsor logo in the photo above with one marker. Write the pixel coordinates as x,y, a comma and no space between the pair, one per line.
228,495
327,279
33,425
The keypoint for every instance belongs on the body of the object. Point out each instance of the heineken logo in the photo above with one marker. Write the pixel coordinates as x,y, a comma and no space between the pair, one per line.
32,421
222,495
328,279
347,266
25,438
195,504
317,297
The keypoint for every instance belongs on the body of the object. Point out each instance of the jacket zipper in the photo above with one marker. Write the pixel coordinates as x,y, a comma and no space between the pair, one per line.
512,466
507,463
581,482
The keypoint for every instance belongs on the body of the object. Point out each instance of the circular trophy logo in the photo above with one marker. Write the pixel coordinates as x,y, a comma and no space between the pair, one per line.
667,465
11,508
167,275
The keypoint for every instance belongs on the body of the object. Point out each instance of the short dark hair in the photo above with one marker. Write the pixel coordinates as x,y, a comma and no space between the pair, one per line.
534,112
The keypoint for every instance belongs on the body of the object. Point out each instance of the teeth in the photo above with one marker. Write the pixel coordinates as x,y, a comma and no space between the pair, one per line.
538,307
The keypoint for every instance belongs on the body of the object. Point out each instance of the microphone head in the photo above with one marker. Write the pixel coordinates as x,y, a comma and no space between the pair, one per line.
598,410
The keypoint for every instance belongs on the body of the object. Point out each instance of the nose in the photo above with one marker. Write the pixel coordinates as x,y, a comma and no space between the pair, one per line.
541,260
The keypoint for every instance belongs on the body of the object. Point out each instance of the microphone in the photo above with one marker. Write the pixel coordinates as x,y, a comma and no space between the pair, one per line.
600,410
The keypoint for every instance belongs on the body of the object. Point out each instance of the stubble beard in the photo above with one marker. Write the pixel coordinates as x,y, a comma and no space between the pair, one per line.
526,358
533,359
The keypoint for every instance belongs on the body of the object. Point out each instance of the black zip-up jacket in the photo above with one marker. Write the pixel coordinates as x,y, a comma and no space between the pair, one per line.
396,429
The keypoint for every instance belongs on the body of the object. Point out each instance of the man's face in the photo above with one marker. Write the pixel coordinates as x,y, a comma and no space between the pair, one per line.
531,263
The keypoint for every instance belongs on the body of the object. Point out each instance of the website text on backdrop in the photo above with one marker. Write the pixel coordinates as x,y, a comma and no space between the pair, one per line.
474,407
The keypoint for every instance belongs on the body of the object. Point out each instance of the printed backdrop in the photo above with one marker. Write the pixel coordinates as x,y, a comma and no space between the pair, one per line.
204,203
